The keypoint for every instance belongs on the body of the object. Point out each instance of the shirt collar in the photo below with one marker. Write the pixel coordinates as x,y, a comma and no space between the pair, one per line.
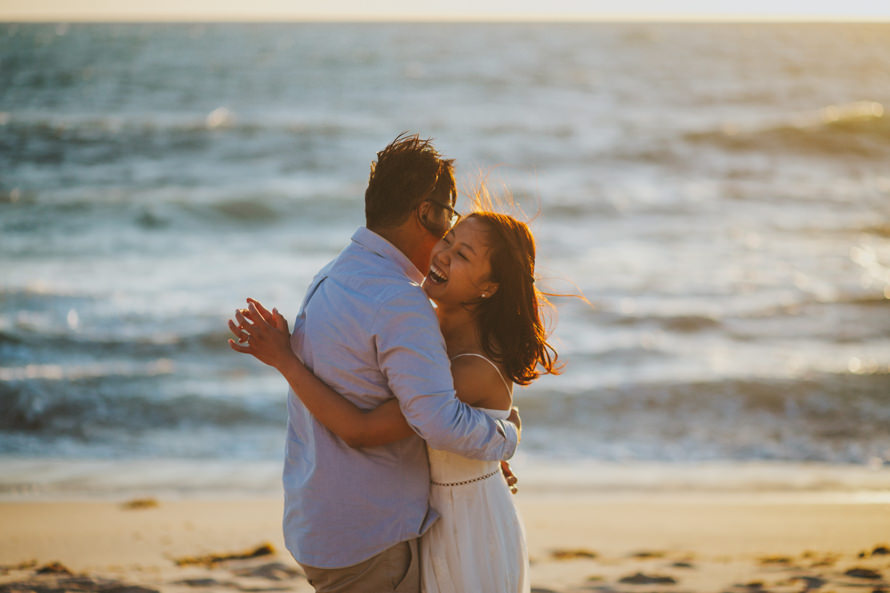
377,244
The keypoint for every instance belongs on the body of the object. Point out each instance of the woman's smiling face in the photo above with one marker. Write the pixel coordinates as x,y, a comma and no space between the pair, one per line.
460,268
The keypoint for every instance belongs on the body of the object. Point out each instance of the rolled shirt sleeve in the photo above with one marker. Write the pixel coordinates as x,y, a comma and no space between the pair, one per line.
411,353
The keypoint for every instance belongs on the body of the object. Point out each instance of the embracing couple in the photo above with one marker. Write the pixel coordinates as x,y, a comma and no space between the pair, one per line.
400,412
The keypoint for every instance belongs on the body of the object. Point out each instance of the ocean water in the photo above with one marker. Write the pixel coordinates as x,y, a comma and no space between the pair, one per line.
719,193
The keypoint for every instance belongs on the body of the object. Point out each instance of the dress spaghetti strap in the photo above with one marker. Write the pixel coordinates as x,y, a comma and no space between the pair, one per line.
489,361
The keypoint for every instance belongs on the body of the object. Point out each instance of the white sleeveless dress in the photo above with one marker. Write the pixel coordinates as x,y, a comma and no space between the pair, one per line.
478,543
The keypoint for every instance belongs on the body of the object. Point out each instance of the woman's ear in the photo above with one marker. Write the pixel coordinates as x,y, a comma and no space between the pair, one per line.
488,289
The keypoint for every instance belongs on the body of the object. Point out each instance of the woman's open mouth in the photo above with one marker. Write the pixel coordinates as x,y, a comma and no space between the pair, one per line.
437,275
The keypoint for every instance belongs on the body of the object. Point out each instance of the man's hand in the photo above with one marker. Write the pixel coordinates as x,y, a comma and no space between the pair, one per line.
509,476
261,333
505,467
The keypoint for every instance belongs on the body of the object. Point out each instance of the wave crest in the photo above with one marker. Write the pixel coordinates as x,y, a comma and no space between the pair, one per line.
860,129
90,404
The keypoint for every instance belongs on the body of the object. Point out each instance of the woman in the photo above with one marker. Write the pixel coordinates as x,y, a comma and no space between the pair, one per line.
482,280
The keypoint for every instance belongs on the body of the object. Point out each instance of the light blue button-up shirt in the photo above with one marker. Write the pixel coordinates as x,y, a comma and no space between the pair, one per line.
367,329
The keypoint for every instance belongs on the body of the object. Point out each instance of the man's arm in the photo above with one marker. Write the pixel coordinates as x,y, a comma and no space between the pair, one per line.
411,353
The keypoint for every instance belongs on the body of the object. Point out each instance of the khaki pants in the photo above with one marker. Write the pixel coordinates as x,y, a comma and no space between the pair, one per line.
395,570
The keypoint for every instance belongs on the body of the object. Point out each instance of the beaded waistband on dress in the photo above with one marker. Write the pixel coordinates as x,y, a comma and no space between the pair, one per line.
465,481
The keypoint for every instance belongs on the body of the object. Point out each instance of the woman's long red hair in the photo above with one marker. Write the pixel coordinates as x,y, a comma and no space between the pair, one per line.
510,320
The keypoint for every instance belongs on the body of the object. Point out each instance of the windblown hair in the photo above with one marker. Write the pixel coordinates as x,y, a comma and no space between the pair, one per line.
510,320
407,172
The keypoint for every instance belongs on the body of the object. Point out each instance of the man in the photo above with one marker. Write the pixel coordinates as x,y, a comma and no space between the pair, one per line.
353,516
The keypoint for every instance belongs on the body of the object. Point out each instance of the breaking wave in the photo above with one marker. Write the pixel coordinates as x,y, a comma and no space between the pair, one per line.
855,130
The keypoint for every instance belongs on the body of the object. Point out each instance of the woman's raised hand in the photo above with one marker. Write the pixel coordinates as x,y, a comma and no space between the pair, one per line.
261,333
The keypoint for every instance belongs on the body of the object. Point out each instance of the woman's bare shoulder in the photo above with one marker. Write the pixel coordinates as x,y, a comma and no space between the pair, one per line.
479,384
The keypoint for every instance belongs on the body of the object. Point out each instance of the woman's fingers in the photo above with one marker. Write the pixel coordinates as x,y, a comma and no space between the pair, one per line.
259,307
244,348
243,322
248,323
237,331
260,316
255,314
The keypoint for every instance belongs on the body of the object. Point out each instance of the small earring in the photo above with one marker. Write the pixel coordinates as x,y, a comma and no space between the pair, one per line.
484,295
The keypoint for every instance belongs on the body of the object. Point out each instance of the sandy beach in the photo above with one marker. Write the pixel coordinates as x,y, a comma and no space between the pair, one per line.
578,542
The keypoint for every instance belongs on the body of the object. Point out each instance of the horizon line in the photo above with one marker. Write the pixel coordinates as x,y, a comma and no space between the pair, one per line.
199,18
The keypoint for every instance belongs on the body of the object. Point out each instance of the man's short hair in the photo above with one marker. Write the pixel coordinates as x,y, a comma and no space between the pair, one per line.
407,172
